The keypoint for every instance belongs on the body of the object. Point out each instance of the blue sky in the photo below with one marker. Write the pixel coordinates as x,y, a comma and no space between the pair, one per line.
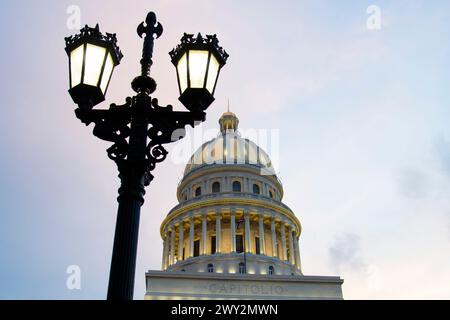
362,116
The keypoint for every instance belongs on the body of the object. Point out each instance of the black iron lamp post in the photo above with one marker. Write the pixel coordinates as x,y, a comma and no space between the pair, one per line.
139,128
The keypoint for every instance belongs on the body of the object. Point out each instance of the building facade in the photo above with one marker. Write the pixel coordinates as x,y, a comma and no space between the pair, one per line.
231,236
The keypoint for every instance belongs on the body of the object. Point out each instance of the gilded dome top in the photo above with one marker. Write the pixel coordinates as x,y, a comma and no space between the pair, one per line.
228,121
230,148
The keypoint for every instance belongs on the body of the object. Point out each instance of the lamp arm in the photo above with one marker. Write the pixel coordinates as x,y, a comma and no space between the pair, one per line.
164,126
110,125
167,126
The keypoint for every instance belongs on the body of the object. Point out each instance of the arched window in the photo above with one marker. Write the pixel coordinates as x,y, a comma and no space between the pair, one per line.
210,268
271,270
242,268
256,189
236,186
270,194
216,187
198,191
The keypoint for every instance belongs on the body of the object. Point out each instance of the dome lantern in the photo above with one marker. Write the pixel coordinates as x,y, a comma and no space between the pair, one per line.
228,121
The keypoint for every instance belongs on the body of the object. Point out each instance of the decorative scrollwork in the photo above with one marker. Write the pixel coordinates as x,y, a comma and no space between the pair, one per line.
118,151
209,41
111,125
94,34
154,154
156,106
158,153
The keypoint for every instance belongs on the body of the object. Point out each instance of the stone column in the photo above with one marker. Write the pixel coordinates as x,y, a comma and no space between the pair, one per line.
291,246
283,240
191,236
274,238
247,232
233,230
169,252
218,232
181,241
172,245
204,231
165,251
262,247
297,254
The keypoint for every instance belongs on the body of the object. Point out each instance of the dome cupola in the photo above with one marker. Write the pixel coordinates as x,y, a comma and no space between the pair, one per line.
228,121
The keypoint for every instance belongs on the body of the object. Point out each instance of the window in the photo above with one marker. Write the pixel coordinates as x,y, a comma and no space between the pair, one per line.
216,187
256,189
185,197
183,253
210,268
198,191
236,186
196,248
271,270
271,194
239,243
213,244
242,269
257,248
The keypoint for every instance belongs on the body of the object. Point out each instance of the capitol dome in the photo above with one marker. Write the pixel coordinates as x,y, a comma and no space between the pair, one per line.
230,218
230,148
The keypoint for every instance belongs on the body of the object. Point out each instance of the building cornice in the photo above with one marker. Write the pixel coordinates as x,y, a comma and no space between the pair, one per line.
244,277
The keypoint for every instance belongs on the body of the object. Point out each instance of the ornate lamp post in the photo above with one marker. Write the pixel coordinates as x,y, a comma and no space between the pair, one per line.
139,128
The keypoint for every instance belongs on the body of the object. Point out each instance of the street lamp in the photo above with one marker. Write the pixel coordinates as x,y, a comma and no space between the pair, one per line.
92,59
140,127
198,62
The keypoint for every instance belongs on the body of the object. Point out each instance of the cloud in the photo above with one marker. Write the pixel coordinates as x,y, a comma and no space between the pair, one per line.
346,257
345,251
412,183
442,147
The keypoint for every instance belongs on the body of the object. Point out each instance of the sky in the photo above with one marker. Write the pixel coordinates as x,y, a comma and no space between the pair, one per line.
361,116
